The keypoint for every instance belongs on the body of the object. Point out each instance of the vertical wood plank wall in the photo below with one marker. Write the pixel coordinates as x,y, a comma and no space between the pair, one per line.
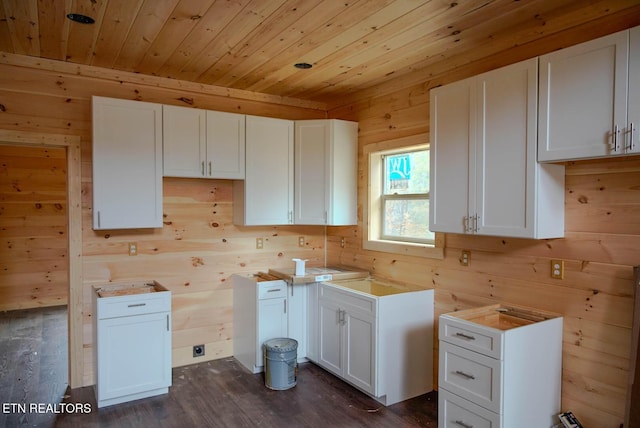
33,227
199,247
601,246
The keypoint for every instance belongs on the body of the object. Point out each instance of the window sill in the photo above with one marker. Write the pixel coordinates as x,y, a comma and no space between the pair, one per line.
435,251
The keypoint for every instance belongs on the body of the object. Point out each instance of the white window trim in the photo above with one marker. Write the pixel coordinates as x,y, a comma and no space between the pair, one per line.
372,211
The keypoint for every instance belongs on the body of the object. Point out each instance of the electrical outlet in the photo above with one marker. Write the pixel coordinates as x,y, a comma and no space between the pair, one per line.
133,248
259,243
465,257
300,241
198,351
342,242
557,269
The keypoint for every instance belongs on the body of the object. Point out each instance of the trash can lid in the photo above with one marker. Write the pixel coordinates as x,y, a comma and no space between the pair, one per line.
281,344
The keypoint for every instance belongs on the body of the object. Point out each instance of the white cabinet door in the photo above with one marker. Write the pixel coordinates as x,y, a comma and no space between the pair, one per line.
583,96
184,141
506,151
127,164
272,323
452,123
632,139
359,345
297,317
265,197
134,355
311,168
326,166
225,145
330,336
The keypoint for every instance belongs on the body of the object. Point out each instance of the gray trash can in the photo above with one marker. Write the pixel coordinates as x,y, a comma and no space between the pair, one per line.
281,363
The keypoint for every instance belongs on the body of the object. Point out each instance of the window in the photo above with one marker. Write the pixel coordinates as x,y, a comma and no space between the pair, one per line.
397,208
405,197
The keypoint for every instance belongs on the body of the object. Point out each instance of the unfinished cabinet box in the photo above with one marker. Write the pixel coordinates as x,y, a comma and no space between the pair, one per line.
499,367
132,330
127,164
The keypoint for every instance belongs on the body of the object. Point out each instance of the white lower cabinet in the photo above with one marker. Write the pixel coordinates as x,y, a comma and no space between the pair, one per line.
499,367
380,341
133,343
259,314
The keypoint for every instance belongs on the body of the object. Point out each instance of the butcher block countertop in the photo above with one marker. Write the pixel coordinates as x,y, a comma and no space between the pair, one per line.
318,274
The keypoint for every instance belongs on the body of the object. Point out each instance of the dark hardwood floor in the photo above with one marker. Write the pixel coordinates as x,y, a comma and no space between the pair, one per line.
218,393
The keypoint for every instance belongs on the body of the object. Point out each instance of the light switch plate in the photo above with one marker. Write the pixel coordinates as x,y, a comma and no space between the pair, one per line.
259,243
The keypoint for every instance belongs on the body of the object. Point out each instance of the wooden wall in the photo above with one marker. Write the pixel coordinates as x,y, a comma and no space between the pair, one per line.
600,248
198,248
33,227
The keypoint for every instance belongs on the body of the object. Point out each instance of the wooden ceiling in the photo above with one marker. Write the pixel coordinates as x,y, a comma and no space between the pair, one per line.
254,44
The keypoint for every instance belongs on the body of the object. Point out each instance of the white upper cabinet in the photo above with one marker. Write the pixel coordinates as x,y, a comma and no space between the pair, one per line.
326,163
633,113
127,164
203,144
265,197
225,145
587,106
484,175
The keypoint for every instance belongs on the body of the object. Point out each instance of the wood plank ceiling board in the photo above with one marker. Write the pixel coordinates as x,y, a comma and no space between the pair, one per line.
252,45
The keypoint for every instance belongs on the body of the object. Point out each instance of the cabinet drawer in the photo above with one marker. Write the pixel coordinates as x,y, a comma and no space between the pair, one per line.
349,300
111,307
456,412
272,290
470,375
471,336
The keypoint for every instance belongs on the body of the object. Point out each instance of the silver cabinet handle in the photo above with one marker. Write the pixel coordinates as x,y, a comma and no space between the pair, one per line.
465,224
285,306
465,336
632,144
273,290
202,167
135,305
615,138
462,424
465,375
209,167
168,322
475,223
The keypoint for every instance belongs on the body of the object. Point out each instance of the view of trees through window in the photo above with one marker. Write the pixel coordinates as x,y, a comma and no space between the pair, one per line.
405,197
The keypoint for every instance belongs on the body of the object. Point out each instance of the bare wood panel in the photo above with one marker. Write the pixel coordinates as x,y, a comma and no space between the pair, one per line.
34,246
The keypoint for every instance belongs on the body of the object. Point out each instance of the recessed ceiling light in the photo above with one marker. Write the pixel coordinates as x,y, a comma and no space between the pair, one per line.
303,65
82,19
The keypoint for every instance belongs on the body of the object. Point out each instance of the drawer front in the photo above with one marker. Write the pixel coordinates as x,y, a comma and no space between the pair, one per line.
470,375
348,300
470,336
456,412
140,304
272,290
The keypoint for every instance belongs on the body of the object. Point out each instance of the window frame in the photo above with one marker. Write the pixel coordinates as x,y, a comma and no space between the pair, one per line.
384,197
372,210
